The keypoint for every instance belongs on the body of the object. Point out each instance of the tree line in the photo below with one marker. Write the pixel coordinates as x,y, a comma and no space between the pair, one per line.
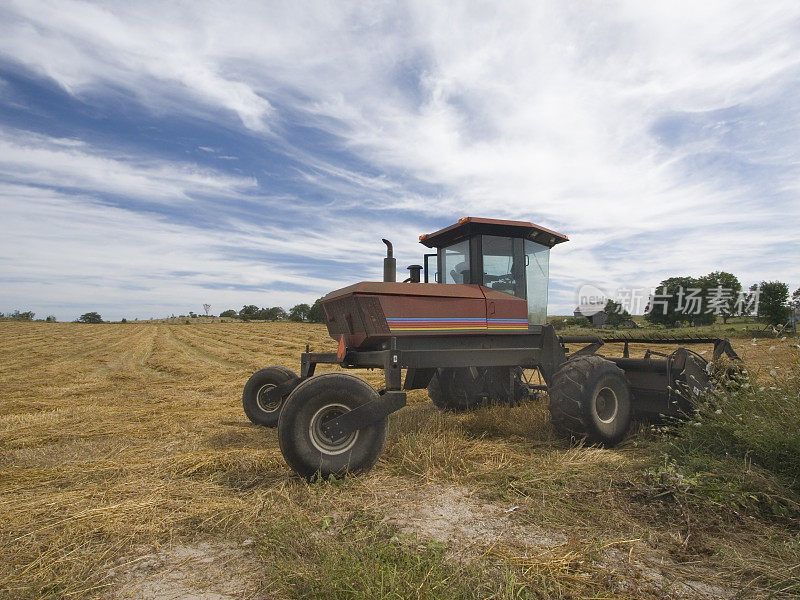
699,301
27,315
298,313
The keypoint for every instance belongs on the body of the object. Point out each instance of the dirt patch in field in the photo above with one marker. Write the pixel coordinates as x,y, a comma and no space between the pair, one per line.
472,527
201,571
458,517
642,571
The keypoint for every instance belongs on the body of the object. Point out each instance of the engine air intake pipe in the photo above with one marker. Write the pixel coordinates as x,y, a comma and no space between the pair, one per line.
413,273
389,263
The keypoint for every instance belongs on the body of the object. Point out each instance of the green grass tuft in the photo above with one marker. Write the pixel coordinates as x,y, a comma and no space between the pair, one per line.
754,422
365,559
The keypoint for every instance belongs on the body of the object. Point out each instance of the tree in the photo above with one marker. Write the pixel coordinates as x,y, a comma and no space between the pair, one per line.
228,313
248,312
90,317
576,322
316,314
615,314
721,289
299,312
694,300
276,313
772,302
796,299
674,301
751,310
50,319
19,316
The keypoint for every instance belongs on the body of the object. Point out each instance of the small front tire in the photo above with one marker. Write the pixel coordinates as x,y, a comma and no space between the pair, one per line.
304,445
256,407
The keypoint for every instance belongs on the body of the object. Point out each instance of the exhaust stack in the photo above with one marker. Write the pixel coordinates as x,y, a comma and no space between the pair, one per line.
389,263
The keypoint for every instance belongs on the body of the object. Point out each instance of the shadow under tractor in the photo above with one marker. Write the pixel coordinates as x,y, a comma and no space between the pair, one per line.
466,325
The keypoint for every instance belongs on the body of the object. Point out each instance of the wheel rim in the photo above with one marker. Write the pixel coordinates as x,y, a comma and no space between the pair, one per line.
263,403
320,440
606,405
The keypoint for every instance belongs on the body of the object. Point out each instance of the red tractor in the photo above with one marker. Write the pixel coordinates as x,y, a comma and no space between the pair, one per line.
465,325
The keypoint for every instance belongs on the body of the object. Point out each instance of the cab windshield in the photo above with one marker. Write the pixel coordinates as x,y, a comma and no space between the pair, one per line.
515,266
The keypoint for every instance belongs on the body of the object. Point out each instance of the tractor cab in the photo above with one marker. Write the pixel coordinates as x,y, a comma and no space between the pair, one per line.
506,256
489,277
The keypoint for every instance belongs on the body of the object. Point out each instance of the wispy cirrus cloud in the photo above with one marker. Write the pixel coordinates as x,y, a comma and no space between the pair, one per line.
73,164
84,46
72,233
71,252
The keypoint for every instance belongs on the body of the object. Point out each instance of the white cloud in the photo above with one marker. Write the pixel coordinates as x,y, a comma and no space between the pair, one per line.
72,253
542,111
65,251
83,45
70,163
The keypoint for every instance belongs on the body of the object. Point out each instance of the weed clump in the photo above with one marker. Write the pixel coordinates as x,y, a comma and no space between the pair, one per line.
750,420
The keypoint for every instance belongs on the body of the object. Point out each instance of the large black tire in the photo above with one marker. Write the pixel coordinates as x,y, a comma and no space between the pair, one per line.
455,389
307,449
590,399
462,389
256,409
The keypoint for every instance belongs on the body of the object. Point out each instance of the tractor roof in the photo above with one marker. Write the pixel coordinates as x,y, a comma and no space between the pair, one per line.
468,226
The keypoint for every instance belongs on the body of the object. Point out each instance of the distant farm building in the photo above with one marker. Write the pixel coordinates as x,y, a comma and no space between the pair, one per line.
600,319
596,319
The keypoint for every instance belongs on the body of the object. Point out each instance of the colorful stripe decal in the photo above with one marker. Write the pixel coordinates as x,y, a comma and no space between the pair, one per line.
453,324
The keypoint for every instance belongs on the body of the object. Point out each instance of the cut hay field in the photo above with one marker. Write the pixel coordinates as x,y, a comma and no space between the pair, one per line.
128,470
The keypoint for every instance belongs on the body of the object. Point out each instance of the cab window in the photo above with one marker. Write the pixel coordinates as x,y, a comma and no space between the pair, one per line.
537,268
503,269
455,263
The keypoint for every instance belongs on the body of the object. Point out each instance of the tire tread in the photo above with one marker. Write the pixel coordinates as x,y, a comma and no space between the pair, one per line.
568,393
277,374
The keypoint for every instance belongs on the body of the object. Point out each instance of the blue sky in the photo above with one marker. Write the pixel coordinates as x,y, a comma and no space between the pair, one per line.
155,157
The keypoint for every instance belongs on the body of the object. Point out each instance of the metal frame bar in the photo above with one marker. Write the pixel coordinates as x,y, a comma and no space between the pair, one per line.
539,349
426,261
366,414
721,345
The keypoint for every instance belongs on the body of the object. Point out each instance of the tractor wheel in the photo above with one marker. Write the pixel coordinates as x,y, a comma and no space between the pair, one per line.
257,409
304,445
590,398
501,389
463,389
456,389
